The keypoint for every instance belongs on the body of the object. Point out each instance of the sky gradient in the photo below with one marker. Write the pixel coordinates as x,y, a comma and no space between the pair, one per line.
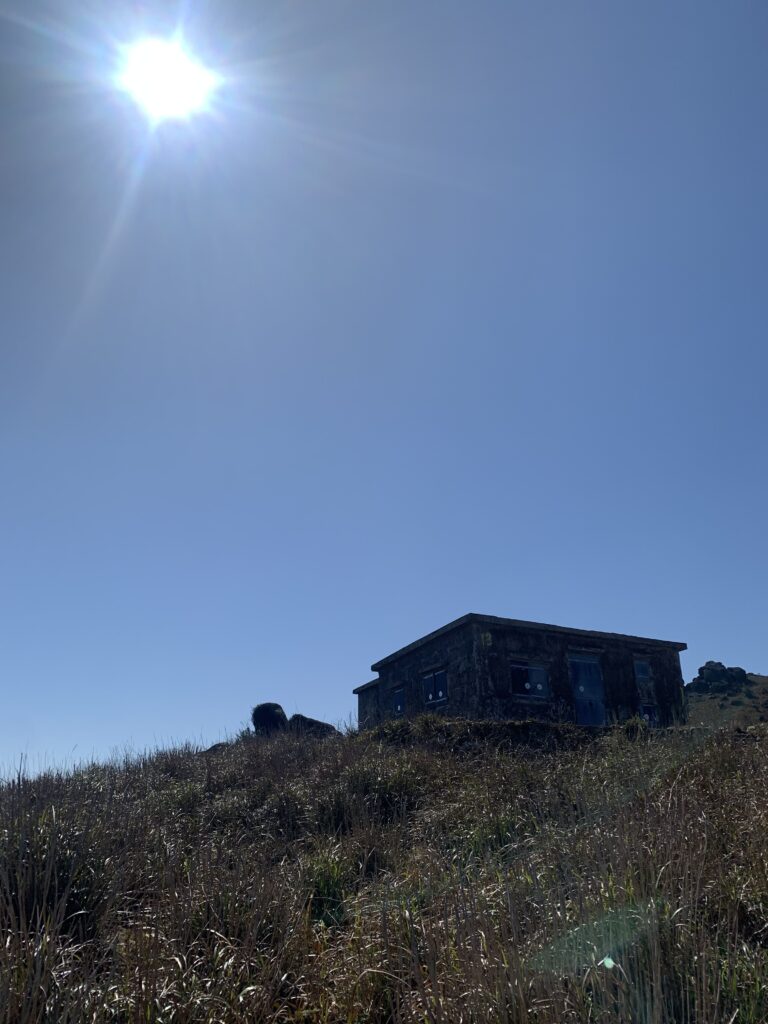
446,307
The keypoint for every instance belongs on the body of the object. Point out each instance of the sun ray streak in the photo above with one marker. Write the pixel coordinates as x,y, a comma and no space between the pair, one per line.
98,277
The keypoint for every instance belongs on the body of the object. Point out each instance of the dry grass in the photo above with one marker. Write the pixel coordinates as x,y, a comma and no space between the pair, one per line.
426,873
743,707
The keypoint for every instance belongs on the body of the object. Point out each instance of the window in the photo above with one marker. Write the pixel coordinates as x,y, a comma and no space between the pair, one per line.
398,701
529,680
586,677
435,687
644,680
642,670
538,677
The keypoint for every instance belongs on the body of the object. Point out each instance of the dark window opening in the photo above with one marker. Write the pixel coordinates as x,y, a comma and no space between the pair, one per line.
435,687
642,670
398,702
529,680
644,680
586,677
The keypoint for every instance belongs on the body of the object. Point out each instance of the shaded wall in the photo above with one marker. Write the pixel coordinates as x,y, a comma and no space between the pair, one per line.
482,680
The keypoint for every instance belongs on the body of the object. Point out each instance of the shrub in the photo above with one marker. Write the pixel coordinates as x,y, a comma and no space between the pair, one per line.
371,790
288,809
327,876
635,728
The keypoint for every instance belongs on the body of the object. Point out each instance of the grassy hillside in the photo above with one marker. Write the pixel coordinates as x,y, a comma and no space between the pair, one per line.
430,872
746,705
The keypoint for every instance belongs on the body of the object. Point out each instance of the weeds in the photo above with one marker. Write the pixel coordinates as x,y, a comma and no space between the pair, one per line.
427,872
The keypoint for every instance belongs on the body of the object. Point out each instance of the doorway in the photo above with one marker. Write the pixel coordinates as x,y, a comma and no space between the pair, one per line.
588,689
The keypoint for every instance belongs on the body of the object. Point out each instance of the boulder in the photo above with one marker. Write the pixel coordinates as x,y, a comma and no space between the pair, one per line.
714,677
303,726
217,748
268,719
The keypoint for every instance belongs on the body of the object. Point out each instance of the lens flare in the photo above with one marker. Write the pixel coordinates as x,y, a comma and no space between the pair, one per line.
165,80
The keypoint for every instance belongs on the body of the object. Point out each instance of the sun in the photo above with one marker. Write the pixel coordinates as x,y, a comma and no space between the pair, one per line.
165,80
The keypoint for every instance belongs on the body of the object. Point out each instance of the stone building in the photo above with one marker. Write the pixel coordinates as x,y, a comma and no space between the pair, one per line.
481,666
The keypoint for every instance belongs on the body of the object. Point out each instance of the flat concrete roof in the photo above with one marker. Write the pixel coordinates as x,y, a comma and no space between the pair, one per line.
495,620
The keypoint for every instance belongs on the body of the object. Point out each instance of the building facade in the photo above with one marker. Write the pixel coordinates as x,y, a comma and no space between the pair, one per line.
482,666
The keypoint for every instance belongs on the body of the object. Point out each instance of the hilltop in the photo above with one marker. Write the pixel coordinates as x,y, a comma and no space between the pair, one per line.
720,696
427,871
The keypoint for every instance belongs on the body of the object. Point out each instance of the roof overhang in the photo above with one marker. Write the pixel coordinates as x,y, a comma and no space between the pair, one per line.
366,686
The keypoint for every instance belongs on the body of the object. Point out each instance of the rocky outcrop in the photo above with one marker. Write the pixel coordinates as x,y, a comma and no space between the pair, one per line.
268,719
217,748
714,677
303,726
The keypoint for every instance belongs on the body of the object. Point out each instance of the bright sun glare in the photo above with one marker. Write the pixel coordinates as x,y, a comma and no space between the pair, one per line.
165,80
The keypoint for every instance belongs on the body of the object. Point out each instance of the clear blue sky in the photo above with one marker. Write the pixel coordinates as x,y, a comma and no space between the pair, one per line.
447,307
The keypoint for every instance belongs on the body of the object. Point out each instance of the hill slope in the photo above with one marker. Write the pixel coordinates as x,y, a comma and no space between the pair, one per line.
426,873
743,705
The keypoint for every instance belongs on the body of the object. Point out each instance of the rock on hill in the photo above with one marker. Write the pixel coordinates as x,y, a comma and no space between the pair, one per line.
719,695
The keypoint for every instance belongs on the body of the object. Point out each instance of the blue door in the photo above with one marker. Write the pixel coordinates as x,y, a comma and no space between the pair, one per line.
588,689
